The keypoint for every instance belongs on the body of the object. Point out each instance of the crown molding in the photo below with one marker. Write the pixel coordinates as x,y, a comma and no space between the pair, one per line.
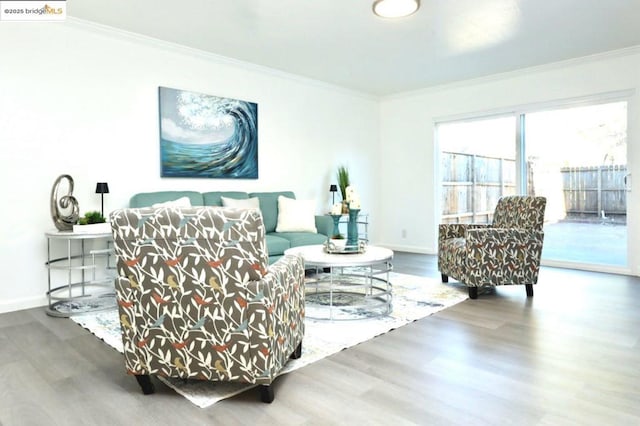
148,41
582,60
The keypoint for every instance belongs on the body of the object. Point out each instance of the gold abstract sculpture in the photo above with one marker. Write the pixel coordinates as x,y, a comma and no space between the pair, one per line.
65,210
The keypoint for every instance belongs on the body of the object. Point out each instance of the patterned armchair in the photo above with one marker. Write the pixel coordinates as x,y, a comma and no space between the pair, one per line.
506,252
197,299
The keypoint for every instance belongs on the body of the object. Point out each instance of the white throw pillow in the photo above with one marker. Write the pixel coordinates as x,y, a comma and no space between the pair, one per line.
296,215
180,203
247,203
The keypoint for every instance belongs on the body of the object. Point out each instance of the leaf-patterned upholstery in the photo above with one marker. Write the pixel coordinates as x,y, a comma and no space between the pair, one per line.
197,298
506,252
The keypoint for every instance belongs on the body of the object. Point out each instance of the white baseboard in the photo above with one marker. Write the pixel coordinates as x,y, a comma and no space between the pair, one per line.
409,249
20,304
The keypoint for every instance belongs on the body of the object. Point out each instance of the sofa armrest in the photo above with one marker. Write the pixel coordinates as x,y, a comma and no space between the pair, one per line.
456,230
324,225
503,256
127,297
499,237
276,315
448,231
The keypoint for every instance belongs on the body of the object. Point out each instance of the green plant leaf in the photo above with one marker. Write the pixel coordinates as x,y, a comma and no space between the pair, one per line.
92,217
343,180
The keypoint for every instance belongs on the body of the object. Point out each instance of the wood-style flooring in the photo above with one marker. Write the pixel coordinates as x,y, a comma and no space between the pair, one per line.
568,356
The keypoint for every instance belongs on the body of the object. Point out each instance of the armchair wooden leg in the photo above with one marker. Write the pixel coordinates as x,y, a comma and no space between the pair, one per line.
529,288
297,353
145,383
266,393
445,278
473,292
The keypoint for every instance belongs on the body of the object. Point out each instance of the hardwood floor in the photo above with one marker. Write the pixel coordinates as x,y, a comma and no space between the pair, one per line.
569,355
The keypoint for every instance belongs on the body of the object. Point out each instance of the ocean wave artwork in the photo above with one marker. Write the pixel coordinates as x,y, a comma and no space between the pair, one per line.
205,136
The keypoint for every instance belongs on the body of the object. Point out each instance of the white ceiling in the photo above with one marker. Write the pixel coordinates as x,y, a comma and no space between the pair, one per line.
343,43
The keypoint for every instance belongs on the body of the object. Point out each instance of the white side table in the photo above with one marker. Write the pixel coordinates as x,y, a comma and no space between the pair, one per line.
78,289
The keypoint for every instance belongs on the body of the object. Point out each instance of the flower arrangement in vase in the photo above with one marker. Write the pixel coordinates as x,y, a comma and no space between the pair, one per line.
343,183
353,201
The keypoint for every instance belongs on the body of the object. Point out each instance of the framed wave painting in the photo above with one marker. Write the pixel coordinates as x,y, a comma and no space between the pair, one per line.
204,136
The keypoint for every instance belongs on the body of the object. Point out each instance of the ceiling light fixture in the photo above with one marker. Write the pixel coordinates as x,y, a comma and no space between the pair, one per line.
395,8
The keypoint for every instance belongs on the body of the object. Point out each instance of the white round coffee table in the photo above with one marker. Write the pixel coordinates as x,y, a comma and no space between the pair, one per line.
356,285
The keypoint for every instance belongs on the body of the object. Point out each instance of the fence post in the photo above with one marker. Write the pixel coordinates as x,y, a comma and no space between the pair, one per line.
473,189
599,199
501,176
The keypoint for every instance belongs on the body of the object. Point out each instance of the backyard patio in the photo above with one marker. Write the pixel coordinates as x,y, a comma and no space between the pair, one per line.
602,242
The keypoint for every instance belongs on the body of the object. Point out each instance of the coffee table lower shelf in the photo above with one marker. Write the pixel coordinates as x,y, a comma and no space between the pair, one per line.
347,296
356,286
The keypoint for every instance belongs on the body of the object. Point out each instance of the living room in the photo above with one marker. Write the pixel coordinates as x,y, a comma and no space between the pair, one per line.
81,99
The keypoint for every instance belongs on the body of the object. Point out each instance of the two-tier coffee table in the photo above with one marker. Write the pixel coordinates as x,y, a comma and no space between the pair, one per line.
356,285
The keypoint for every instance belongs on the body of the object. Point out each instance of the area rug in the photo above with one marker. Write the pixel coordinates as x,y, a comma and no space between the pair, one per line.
413,298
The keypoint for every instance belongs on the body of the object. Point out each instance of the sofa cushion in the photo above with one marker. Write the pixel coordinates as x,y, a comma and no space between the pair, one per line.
179,203
296,215
276,244
215,198
269,207
147,199
248,203
296,239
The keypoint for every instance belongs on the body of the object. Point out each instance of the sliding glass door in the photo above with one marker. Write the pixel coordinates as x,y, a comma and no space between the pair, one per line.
576,157
578,160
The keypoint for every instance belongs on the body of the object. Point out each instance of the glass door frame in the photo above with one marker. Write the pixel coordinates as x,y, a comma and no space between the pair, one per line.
520,113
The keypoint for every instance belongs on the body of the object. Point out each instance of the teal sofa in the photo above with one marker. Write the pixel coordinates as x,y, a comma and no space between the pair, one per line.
277,242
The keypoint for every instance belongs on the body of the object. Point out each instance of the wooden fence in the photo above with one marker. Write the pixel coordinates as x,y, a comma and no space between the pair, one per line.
595,190
472,185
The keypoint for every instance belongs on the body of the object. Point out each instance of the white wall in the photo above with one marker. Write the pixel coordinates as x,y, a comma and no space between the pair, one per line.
83,101
409,190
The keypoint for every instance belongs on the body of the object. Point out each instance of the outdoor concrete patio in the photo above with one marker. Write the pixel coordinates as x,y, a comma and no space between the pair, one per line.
597,242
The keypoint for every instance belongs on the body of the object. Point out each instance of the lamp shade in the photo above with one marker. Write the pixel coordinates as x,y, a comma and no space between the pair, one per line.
333,188
102,188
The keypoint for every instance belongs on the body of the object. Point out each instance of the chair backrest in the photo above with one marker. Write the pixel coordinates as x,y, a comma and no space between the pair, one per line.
520,211
227,244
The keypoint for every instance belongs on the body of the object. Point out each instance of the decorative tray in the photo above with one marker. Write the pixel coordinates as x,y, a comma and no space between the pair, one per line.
332,248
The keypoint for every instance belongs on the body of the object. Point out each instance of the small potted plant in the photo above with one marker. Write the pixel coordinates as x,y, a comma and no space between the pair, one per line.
92,223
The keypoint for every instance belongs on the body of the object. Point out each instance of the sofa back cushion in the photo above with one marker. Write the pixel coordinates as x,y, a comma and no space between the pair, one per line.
520,211
148,199
215,198
184,245
269,207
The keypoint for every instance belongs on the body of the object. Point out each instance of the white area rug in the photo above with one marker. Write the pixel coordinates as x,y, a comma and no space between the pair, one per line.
413,298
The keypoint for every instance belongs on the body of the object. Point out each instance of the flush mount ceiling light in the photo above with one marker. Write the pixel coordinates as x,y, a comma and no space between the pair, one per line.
395,8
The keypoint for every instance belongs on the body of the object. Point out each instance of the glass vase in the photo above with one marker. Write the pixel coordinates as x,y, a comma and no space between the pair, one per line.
352,229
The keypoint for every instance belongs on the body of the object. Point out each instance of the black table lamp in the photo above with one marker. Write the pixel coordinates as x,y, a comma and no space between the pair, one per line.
333,189
102,188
